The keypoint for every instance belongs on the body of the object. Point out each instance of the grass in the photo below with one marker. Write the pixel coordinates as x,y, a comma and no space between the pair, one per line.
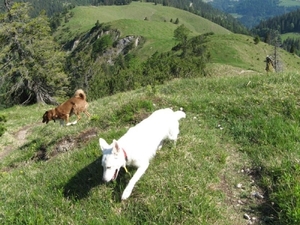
233,123
289,35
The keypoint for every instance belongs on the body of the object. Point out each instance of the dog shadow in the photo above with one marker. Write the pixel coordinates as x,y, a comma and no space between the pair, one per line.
79,186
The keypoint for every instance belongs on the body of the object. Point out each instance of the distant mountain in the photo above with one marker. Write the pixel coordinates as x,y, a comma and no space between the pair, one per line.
251,12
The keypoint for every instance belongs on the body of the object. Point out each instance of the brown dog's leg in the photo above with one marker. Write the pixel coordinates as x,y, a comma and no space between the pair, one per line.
67,120
78,118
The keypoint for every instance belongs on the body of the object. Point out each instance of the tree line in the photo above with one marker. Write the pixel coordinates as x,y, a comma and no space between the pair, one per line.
286,23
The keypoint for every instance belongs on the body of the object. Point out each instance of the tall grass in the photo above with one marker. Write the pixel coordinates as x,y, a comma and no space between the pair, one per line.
232,123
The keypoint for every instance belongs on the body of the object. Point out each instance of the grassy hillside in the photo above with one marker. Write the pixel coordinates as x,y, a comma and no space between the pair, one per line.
289,35
237,51
240,131
240,52
130,20
85,17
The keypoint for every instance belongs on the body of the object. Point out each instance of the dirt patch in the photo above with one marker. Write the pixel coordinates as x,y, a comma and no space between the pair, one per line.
66,144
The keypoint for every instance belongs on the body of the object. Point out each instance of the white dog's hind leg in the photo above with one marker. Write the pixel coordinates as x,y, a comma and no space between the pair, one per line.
138,174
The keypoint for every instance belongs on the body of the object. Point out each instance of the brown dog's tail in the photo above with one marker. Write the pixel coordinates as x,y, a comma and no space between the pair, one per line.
80,94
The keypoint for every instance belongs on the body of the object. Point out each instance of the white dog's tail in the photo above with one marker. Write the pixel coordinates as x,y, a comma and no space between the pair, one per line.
179,115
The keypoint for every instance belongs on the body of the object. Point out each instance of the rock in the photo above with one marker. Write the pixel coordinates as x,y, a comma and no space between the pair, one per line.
239,185
246,216
258,195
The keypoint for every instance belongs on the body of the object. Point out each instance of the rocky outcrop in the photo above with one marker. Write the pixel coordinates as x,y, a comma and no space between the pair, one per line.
120,45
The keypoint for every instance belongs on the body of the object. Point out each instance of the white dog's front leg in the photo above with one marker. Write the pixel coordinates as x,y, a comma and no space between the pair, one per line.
138,174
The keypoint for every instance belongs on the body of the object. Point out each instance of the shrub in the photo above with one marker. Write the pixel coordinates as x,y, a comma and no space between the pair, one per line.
102,44
256,40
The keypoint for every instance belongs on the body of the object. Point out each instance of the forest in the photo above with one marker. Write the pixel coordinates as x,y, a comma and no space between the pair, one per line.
252,12
271,29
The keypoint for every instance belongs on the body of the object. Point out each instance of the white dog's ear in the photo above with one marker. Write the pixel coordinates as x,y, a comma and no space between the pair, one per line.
116,146
103,144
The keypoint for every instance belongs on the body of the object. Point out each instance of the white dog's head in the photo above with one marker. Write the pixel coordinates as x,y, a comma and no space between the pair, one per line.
112,160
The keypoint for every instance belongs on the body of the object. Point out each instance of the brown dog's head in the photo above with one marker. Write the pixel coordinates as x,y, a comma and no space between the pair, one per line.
48,116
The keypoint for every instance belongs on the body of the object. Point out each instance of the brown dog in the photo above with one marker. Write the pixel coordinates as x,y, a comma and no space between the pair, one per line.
75,105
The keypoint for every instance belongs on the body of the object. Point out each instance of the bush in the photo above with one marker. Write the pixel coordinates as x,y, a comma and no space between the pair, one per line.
100,46
256,40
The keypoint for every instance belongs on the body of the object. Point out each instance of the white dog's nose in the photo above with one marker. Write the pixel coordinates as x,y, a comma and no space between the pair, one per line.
106,178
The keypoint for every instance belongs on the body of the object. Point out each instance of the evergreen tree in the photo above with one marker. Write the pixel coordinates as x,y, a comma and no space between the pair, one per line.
181,35
256,39
292,50
31,64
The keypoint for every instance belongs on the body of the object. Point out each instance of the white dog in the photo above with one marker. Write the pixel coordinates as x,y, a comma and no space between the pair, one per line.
139,145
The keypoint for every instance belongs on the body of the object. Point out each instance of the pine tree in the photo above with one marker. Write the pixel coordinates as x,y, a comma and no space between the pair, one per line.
181,35
31,64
